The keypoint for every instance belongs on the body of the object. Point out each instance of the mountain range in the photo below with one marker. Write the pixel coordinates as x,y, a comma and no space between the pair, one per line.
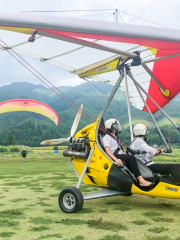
31,128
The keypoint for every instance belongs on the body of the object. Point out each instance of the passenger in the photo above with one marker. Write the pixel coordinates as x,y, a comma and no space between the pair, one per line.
116,153
140,132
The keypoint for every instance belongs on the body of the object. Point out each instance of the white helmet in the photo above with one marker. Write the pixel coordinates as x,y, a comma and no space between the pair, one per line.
113,125
140,130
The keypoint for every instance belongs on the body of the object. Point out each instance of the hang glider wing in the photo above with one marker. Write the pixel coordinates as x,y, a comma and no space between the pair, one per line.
71,44
30,106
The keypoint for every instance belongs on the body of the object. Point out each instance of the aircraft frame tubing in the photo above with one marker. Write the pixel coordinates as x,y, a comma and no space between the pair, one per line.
131,76
139,91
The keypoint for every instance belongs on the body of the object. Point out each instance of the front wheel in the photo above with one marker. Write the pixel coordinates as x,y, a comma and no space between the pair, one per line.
71,200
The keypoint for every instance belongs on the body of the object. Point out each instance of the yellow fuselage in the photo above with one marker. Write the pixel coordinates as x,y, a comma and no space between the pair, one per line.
97,175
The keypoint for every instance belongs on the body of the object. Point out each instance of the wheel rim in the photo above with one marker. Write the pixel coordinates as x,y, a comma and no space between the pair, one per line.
69,201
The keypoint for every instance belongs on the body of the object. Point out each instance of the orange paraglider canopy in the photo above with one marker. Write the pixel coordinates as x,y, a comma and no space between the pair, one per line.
30,106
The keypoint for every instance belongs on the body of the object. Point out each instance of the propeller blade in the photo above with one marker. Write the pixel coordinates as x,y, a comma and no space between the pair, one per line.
76,121
73,130
54,141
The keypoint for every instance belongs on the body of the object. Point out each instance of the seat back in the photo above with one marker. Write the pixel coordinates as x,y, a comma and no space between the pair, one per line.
100,139
101,129
144,170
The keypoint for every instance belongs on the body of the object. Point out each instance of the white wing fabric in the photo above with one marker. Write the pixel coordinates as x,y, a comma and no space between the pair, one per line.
58,42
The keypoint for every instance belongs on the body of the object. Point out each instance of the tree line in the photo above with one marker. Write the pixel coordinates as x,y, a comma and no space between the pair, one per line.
25,134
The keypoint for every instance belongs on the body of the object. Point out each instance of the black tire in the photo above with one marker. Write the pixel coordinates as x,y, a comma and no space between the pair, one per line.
71,200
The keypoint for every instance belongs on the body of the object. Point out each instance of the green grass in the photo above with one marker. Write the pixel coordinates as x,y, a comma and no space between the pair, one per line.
123,208
153,237
50,236
158,229
6,234
103,210
8,223
29,205
140,222
12,213
106,225
79,237
49,210
39,229
161,219
152,214
86,210
18,199
41,220
112,237
71,221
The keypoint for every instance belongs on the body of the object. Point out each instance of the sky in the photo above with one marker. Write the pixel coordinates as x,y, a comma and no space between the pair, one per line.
163,12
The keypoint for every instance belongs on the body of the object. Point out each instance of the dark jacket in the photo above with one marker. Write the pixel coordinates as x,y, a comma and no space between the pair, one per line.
24,153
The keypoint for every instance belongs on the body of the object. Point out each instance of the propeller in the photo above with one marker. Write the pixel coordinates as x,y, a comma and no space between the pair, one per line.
73,130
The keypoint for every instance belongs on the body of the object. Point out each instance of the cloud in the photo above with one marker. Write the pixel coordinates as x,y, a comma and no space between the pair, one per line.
164,12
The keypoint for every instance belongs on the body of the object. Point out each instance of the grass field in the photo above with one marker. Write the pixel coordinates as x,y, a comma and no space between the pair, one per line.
29,208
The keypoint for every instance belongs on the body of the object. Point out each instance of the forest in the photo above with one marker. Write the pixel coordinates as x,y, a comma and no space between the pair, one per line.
29,129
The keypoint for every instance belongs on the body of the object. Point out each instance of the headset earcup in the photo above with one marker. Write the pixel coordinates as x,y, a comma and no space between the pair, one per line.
114,126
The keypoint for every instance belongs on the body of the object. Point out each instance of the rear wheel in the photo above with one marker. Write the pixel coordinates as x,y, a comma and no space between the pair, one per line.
71,200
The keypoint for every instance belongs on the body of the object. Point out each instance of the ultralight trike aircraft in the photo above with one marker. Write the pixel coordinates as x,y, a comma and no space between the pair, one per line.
155,51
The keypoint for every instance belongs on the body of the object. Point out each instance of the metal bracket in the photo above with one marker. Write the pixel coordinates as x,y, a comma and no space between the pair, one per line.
136,61
120,66
43,59
5,48
33,37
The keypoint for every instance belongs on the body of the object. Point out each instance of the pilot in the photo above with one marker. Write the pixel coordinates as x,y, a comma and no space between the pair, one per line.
140,133
116,153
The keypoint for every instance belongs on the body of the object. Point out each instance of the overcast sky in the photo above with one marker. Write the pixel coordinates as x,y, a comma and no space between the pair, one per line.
164,12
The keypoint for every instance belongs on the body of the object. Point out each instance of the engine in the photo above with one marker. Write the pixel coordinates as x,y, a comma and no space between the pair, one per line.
78,148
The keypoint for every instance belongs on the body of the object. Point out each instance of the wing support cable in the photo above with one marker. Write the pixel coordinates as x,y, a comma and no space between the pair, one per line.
19,44
131,76
39,77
